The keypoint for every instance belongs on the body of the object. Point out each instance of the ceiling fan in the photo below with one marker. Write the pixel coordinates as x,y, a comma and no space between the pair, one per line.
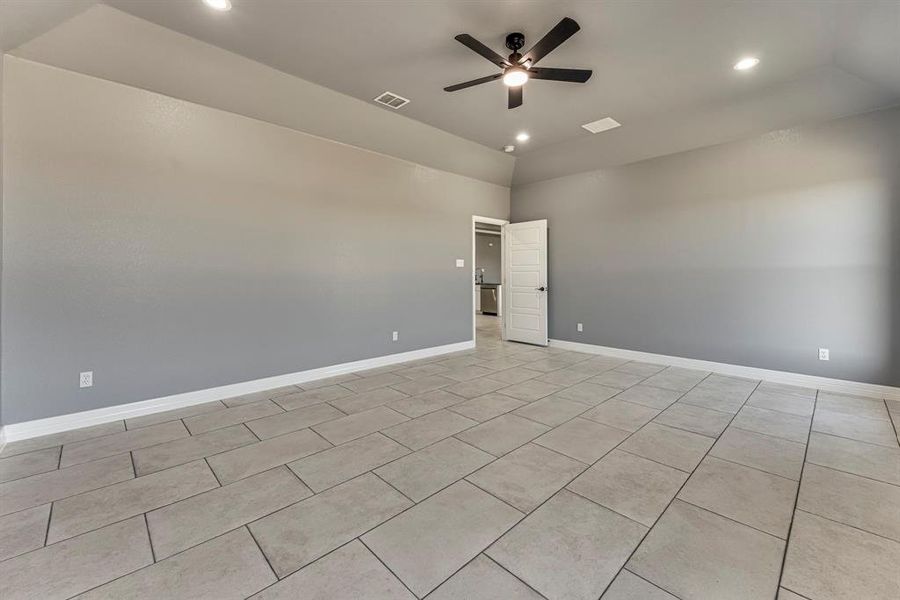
519,68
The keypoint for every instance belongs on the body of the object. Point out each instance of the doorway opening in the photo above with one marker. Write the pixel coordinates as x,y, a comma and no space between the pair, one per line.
487,280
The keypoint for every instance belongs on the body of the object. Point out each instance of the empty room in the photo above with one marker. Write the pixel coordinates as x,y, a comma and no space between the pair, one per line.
450,299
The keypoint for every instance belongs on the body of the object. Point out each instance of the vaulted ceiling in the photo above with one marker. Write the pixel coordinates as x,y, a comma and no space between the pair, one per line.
662,68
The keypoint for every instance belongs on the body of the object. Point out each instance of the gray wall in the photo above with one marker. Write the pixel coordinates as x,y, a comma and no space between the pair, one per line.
172,247
487,256
753,253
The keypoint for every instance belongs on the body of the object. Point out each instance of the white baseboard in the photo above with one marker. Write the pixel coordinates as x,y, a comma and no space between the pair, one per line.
29,429
827,384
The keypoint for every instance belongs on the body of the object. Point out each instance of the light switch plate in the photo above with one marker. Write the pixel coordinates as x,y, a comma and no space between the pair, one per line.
86,379
580,327
460,263
823,354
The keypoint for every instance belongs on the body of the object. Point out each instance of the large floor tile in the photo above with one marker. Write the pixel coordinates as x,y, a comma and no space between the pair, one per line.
736,386
312,396
626,416
582,439
617,379
179,526
365,384
416,406
483,579
68,568
860,458
117,443
565,377
589,545
231,416
763,452
424,384
862,429
863,503
466,373
487,407
23,531
174,415
429,542
327,381
336,465
628,586
588,393
786,403
715,399
531,390
783,388
92,510
262,456
55,485
694,553
502,434
297,535
669,446
551,410
184,450
676,378
635,487
58,439
773,423
424,431
422,473
421,371
230,567
293,420
650,396
476,387
704,421
358,425
526,477
366,400
830,561
760,500
515,375
254,397
640,368
28,464
349,573
855,406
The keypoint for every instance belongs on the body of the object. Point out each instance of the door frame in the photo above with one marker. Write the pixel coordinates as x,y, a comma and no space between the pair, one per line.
501,223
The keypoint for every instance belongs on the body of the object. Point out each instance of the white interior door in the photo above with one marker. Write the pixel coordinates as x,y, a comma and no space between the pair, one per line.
525,277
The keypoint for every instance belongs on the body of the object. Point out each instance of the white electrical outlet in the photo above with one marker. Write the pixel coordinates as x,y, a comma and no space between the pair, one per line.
580,327
86,379
396,336
823,354
460,263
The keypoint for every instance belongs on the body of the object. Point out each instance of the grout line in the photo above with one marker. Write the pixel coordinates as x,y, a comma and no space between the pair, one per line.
787,544
732,519
390,485
47,531
734,462
266,558
848,525
149,538
384,564
211,470
649,582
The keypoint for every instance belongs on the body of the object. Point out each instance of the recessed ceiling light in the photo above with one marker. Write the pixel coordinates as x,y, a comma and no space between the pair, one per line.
523,137
222,5
509,149
746,63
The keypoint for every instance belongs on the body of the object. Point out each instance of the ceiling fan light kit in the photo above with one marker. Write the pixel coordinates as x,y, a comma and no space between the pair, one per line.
518,69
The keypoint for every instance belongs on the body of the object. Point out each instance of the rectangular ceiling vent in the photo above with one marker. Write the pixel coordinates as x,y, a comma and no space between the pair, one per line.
602,125
392,100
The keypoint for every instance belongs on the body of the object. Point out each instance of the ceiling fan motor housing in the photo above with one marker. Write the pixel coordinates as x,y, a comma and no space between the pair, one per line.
515,41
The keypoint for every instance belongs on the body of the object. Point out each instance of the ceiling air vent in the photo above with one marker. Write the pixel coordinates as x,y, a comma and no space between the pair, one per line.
602,125
392,100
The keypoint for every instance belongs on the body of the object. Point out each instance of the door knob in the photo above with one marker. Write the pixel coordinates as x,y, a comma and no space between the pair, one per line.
541,289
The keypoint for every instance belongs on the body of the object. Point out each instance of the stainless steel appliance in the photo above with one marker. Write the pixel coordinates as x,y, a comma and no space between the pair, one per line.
489,300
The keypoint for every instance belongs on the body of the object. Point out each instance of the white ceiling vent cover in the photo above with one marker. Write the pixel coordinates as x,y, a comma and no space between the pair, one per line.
602,125
392,100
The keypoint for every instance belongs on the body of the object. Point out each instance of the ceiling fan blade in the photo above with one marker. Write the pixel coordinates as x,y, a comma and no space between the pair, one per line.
573,75
515,97
472,44
556,36
466,84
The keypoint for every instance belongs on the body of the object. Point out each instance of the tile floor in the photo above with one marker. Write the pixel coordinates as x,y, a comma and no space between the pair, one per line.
509,471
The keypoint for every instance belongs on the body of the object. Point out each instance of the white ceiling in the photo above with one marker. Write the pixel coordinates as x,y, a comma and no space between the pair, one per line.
662,68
